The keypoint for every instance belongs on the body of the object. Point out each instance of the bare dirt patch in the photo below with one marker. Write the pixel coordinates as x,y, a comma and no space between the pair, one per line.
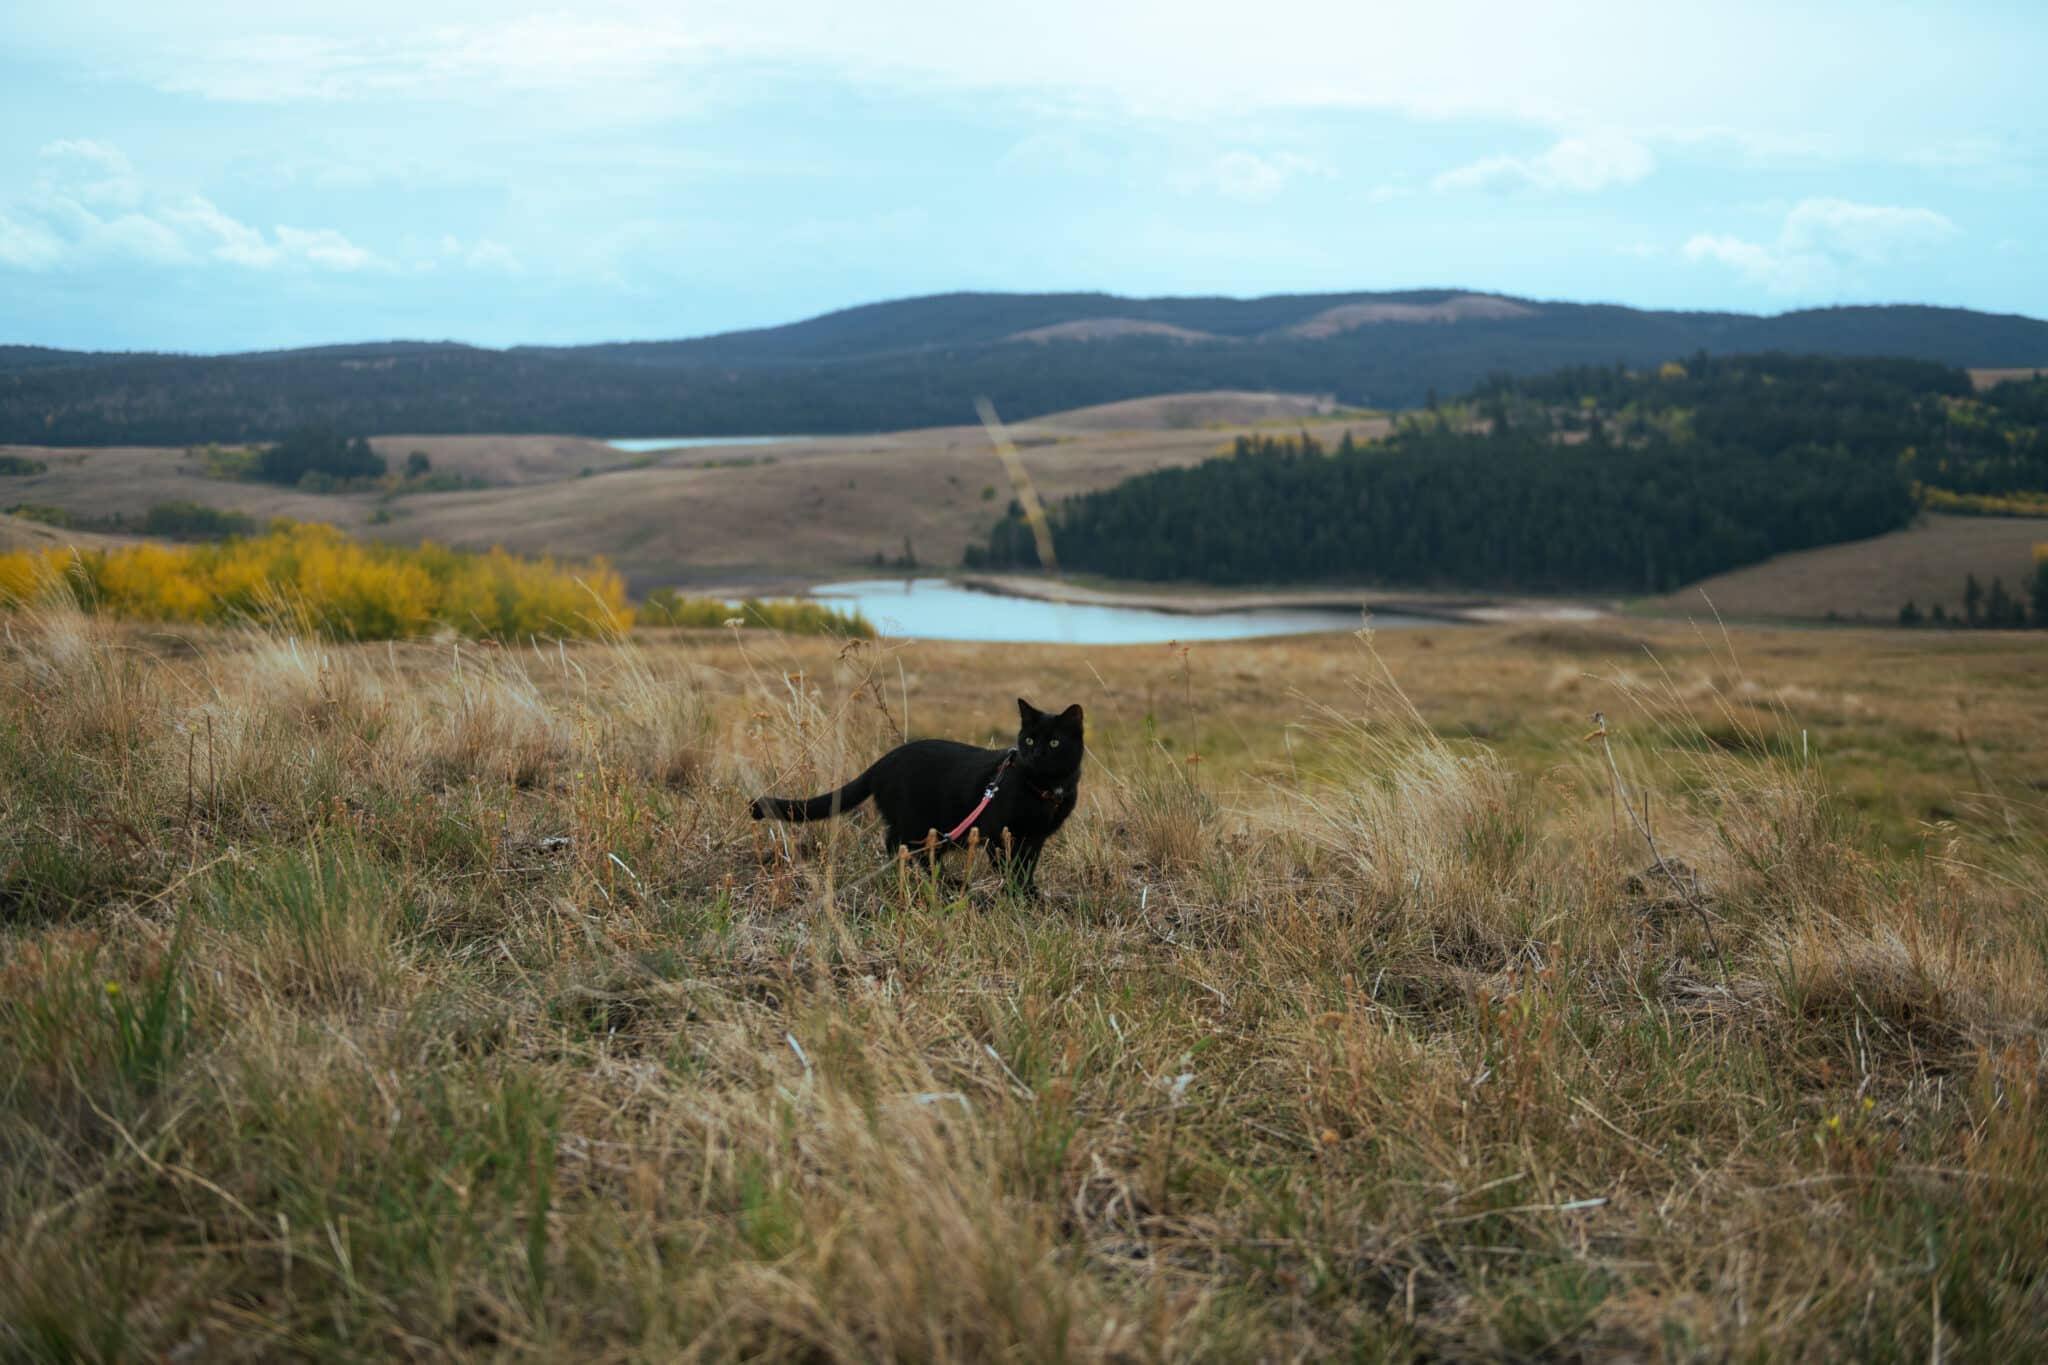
1099,329
1984,379
1464,307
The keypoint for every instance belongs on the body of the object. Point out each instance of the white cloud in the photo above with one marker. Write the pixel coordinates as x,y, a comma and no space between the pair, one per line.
138,236
232,241
557,53
490,255
1250,176
322,247
1775,271
91,205
27,244
1581,163
895,225
97,172
1599,63
482,254
1059,153
1872,233
1748,72
1821,243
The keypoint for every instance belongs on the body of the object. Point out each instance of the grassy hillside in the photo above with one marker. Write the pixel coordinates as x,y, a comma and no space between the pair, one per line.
364,1003
819,506
1927,563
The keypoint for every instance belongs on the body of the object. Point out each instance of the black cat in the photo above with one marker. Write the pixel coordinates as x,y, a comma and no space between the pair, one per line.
934,784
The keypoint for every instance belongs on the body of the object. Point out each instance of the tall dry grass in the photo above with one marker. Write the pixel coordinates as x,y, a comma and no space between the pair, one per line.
428,1000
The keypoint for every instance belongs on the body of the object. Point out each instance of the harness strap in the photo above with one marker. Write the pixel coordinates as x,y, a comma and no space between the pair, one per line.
994,783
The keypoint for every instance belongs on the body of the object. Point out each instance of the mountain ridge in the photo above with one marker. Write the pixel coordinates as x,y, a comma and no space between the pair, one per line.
923,361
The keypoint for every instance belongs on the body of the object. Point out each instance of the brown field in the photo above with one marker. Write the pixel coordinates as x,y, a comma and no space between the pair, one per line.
1096,329
1181,411
508,459
440,1001
1984,379
788,512
1345,317
1871,579
818,506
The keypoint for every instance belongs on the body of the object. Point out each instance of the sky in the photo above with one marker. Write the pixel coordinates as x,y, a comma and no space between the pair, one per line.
219,175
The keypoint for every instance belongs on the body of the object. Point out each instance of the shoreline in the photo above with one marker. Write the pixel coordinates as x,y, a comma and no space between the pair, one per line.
1453,608
1448,607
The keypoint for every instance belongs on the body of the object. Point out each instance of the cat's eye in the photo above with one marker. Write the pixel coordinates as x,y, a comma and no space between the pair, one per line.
1055,744
1029,742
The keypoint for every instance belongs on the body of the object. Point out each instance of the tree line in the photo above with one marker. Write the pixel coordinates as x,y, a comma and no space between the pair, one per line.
1590,479
1992,608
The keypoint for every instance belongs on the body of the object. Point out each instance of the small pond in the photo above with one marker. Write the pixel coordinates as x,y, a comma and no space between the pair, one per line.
639,444
935,609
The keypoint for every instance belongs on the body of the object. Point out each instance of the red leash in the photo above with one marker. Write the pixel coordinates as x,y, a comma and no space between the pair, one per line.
986,797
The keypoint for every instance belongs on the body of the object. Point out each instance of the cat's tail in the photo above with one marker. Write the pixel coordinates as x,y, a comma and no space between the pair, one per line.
817,807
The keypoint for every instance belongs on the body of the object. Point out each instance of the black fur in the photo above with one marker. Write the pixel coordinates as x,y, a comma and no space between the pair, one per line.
932,784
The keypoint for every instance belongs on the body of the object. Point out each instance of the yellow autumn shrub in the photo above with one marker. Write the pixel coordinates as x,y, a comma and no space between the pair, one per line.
321,579
2018,504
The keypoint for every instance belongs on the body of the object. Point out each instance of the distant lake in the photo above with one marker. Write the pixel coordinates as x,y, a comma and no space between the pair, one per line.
645,443
934,609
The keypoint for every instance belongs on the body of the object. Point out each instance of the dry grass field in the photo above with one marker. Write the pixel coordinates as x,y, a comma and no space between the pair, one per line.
439,1001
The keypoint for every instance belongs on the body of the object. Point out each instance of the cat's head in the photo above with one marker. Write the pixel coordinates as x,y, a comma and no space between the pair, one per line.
1048,742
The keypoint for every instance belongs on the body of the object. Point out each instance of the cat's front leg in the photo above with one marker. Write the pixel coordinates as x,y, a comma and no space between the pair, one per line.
1022,872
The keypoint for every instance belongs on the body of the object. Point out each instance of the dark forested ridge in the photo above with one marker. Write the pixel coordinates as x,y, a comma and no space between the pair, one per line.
922,362
40,357
1588,479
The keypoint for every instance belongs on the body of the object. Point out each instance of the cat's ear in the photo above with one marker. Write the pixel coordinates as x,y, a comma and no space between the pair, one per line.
1027,712
1072,713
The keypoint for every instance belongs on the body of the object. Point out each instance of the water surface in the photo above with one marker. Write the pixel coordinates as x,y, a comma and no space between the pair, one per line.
935,609
645,443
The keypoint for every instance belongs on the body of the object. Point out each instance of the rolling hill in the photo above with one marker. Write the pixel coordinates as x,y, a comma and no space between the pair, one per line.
921,362
787,512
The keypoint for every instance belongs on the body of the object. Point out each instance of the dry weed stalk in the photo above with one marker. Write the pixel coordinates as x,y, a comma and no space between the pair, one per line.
1678,884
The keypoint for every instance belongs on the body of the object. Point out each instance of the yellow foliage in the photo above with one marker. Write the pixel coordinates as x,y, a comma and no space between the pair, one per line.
2027,504
1671,369
326,582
